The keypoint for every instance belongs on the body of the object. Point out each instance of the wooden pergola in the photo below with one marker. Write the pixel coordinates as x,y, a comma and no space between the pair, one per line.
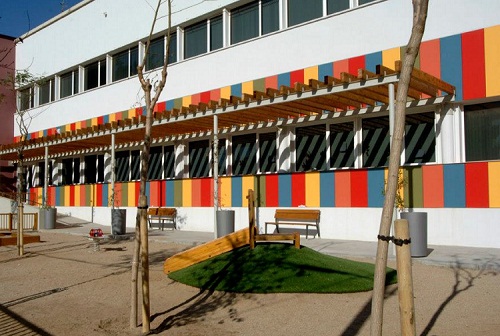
317,100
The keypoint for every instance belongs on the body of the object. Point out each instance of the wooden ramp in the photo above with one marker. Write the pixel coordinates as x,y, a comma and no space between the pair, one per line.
206,251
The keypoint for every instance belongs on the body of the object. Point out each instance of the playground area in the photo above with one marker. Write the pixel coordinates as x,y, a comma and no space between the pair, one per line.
63,287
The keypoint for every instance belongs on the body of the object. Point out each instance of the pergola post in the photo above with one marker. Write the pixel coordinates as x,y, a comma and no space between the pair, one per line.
215,170
113,163
46,178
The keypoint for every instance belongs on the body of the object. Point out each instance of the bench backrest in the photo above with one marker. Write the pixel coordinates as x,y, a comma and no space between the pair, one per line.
297,215
167,212
152,211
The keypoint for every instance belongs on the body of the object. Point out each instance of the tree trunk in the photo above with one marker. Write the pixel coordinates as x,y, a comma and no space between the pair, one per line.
419,19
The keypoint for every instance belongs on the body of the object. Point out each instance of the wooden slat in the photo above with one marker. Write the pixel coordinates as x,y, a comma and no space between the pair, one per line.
429,79
206,251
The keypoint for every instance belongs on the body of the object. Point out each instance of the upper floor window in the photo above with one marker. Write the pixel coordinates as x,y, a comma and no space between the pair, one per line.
95,75
26,98
46,91
172,50
156,53
335,6
311,148
195,39
216,33
125,63
364,2
301,11
270,16
68,84
482,131
245,22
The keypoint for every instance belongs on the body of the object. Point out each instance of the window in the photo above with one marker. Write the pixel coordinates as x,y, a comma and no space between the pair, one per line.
156,54
342,145
46,91
420,138
172,50
375,143
244,154
135,165
335,6
199,152
311,148
168,162
195,39
364,2
301,11
68,84
90,173
222,157
120,65
482,131
100,168
122,166
70,171
125,64
155,165
270,16
26,98
245,22
95,75
41,174
267,152
216,33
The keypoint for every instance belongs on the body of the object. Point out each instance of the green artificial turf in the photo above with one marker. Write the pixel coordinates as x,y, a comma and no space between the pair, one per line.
280,268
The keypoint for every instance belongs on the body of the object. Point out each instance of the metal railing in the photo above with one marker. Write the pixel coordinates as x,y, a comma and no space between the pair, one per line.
8,221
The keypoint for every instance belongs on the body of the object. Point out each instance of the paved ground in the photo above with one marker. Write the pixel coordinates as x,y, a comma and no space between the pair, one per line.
449,256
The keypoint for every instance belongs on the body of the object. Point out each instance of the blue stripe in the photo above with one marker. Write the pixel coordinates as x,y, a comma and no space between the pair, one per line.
454,186
372,60
327,189
169,193
169,105
285,190
376,184
325,70
105,196
236,90
451,62
236,191
284,79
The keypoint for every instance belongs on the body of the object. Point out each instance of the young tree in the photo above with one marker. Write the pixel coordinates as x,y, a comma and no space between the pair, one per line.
419,19
152,91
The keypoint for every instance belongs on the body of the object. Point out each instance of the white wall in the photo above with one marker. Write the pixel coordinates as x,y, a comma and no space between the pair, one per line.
380,26
454,227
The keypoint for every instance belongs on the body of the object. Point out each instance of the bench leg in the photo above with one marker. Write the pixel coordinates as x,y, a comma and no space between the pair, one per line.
296,240
307,231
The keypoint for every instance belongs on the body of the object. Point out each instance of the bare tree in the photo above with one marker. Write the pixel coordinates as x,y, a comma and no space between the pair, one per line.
152,93
419,19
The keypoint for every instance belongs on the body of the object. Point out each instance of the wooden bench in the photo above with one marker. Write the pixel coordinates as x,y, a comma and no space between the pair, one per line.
254,236
162,216
305,217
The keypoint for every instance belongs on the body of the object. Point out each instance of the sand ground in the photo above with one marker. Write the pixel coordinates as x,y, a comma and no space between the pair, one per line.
61,286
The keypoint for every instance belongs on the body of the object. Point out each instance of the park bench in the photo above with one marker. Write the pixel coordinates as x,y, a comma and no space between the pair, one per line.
304,217
161,216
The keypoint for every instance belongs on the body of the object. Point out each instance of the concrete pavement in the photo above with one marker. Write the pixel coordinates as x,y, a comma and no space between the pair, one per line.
438,255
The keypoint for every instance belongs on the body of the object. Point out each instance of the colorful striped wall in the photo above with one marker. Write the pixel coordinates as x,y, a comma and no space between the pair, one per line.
469,185
470,61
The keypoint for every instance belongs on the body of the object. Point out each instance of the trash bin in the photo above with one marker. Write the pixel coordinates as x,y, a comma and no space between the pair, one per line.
48,218
225,222
417,222
118,221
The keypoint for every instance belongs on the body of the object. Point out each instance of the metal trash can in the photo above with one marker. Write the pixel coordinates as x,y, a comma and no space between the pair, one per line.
417,222
225,222
118,221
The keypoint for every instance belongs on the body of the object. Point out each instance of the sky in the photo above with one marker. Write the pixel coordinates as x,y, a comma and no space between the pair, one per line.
19,16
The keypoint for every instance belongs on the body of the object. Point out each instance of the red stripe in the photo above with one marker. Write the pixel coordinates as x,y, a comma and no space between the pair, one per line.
272,192
339,67
196,192
359,188
162,191
473,68
205,97
298,189
206,198
296,77
154,194
476,185
271,82
195,99
432,185
215,95
342,189
356,63
72,195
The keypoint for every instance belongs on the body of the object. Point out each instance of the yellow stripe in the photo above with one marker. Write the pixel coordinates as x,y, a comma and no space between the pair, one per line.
492,60
312,189
112,117
67,192
247,87
310,73
77,195
131,193
94,121
225,191
494,184
390,56
247,182
187,193
186,101
225,92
